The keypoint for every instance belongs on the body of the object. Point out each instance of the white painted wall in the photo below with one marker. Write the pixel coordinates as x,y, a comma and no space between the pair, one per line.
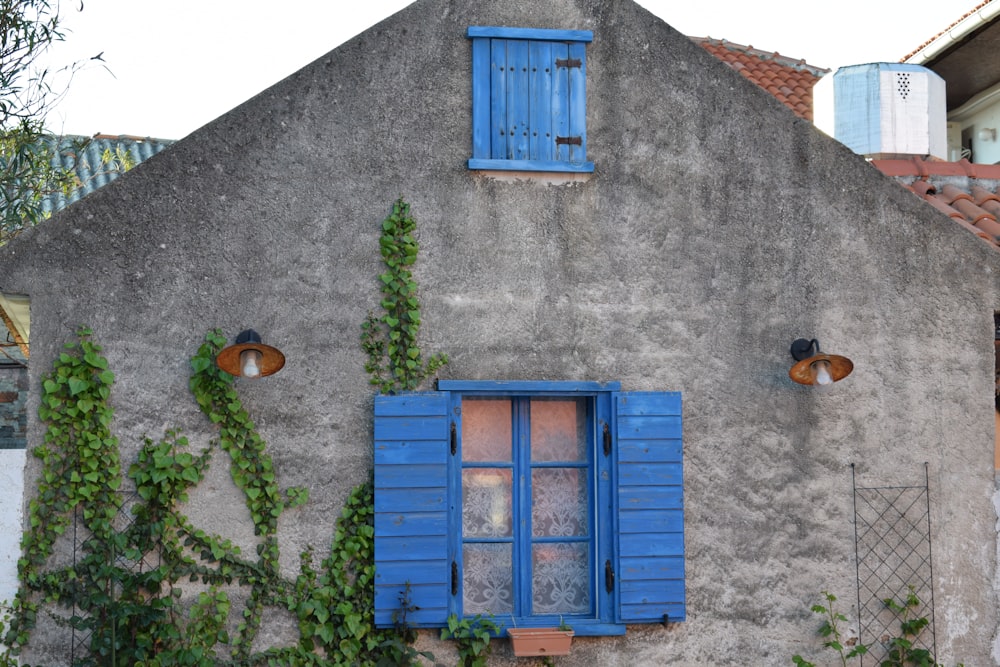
978,114
11,514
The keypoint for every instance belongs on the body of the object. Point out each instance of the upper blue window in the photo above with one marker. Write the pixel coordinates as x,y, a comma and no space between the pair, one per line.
536,502
529,99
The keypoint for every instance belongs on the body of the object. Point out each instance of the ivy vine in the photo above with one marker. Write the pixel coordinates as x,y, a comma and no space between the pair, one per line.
142,616
395,360
80,469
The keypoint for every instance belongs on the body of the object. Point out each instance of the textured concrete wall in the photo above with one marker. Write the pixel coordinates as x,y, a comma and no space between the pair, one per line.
715,229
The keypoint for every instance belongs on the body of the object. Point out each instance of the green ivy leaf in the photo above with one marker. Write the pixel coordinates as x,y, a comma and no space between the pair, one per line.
77,386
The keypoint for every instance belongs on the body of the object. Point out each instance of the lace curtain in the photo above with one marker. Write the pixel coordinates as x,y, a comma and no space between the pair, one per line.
559,504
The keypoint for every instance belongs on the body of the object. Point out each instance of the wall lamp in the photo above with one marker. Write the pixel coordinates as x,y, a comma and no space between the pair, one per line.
815,367
250,358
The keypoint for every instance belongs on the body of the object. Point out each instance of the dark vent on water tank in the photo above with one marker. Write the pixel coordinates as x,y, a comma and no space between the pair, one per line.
903,84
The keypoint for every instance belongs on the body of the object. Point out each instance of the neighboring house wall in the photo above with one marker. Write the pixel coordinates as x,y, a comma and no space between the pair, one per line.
688,261
974,127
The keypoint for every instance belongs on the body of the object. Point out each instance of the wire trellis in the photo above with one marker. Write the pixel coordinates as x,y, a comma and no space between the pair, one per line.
892,540
80,638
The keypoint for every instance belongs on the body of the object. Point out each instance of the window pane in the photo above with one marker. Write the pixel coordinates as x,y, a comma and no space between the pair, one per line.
559,502
486,508
560,579
487,579
558,429
486,429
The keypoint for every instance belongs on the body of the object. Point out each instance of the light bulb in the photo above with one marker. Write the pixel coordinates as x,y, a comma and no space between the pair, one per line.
250,363
821,373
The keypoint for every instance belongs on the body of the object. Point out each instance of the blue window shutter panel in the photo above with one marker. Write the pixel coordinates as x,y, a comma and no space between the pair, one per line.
481,121
412,440
498,99
521,101
650,507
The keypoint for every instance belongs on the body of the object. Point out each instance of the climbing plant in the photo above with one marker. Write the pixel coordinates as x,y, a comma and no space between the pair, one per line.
336,607
145,616
395,360
901,648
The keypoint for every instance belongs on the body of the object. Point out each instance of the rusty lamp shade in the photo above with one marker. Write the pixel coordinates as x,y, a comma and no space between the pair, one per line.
248,357
817,368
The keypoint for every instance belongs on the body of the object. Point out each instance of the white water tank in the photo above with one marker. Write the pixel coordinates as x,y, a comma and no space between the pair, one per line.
884,110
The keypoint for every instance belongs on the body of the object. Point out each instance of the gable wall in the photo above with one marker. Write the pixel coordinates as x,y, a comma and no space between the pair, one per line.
715,230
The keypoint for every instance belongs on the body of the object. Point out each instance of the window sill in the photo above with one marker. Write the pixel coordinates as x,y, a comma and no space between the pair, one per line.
579,628
532,165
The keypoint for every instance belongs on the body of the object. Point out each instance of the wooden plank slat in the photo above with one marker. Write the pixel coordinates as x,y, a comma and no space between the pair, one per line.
540,74
518,99
498,99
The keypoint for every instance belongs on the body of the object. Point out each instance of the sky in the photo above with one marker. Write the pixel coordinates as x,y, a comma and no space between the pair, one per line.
170,66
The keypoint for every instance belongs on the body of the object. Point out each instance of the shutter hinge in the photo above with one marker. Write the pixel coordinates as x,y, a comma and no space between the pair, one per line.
454,578
454,439
609,577
569,62
607,439
569,141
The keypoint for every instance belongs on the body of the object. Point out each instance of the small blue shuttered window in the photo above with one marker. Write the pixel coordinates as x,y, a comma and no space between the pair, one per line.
529,110
537,502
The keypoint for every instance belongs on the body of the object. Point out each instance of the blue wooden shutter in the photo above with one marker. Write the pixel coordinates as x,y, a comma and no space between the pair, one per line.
412,445
650,507
528,89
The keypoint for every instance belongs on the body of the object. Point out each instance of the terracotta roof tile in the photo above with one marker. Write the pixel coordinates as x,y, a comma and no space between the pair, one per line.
950,194
982,195
967,193
787,79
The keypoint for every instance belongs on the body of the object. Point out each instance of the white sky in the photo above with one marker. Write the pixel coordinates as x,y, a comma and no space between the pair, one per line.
178,64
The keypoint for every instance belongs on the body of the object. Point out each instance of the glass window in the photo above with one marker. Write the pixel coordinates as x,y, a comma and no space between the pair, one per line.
534,537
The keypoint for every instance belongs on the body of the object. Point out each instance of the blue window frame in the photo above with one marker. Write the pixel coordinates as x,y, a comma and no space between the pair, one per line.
529,110
537,502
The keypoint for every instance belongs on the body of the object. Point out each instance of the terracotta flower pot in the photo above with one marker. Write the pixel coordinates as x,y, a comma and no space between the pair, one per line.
540,641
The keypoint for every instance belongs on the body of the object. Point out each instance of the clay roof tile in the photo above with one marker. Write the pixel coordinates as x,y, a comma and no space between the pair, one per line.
976,215
981,195
923,188
787,79
946,209
952,194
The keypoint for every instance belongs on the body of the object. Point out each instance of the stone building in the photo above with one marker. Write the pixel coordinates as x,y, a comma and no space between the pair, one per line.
648,238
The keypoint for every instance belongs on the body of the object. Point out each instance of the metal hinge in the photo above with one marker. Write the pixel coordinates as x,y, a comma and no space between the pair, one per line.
454,578
573,141
569,62
609,577
607,439
454,439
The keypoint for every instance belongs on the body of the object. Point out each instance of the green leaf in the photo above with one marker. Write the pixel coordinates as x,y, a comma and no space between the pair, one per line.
95,360
76,386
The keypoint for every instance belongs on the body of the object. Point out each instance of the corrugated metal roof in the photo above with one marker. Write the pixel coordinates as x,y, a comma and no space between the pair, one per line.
85,156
